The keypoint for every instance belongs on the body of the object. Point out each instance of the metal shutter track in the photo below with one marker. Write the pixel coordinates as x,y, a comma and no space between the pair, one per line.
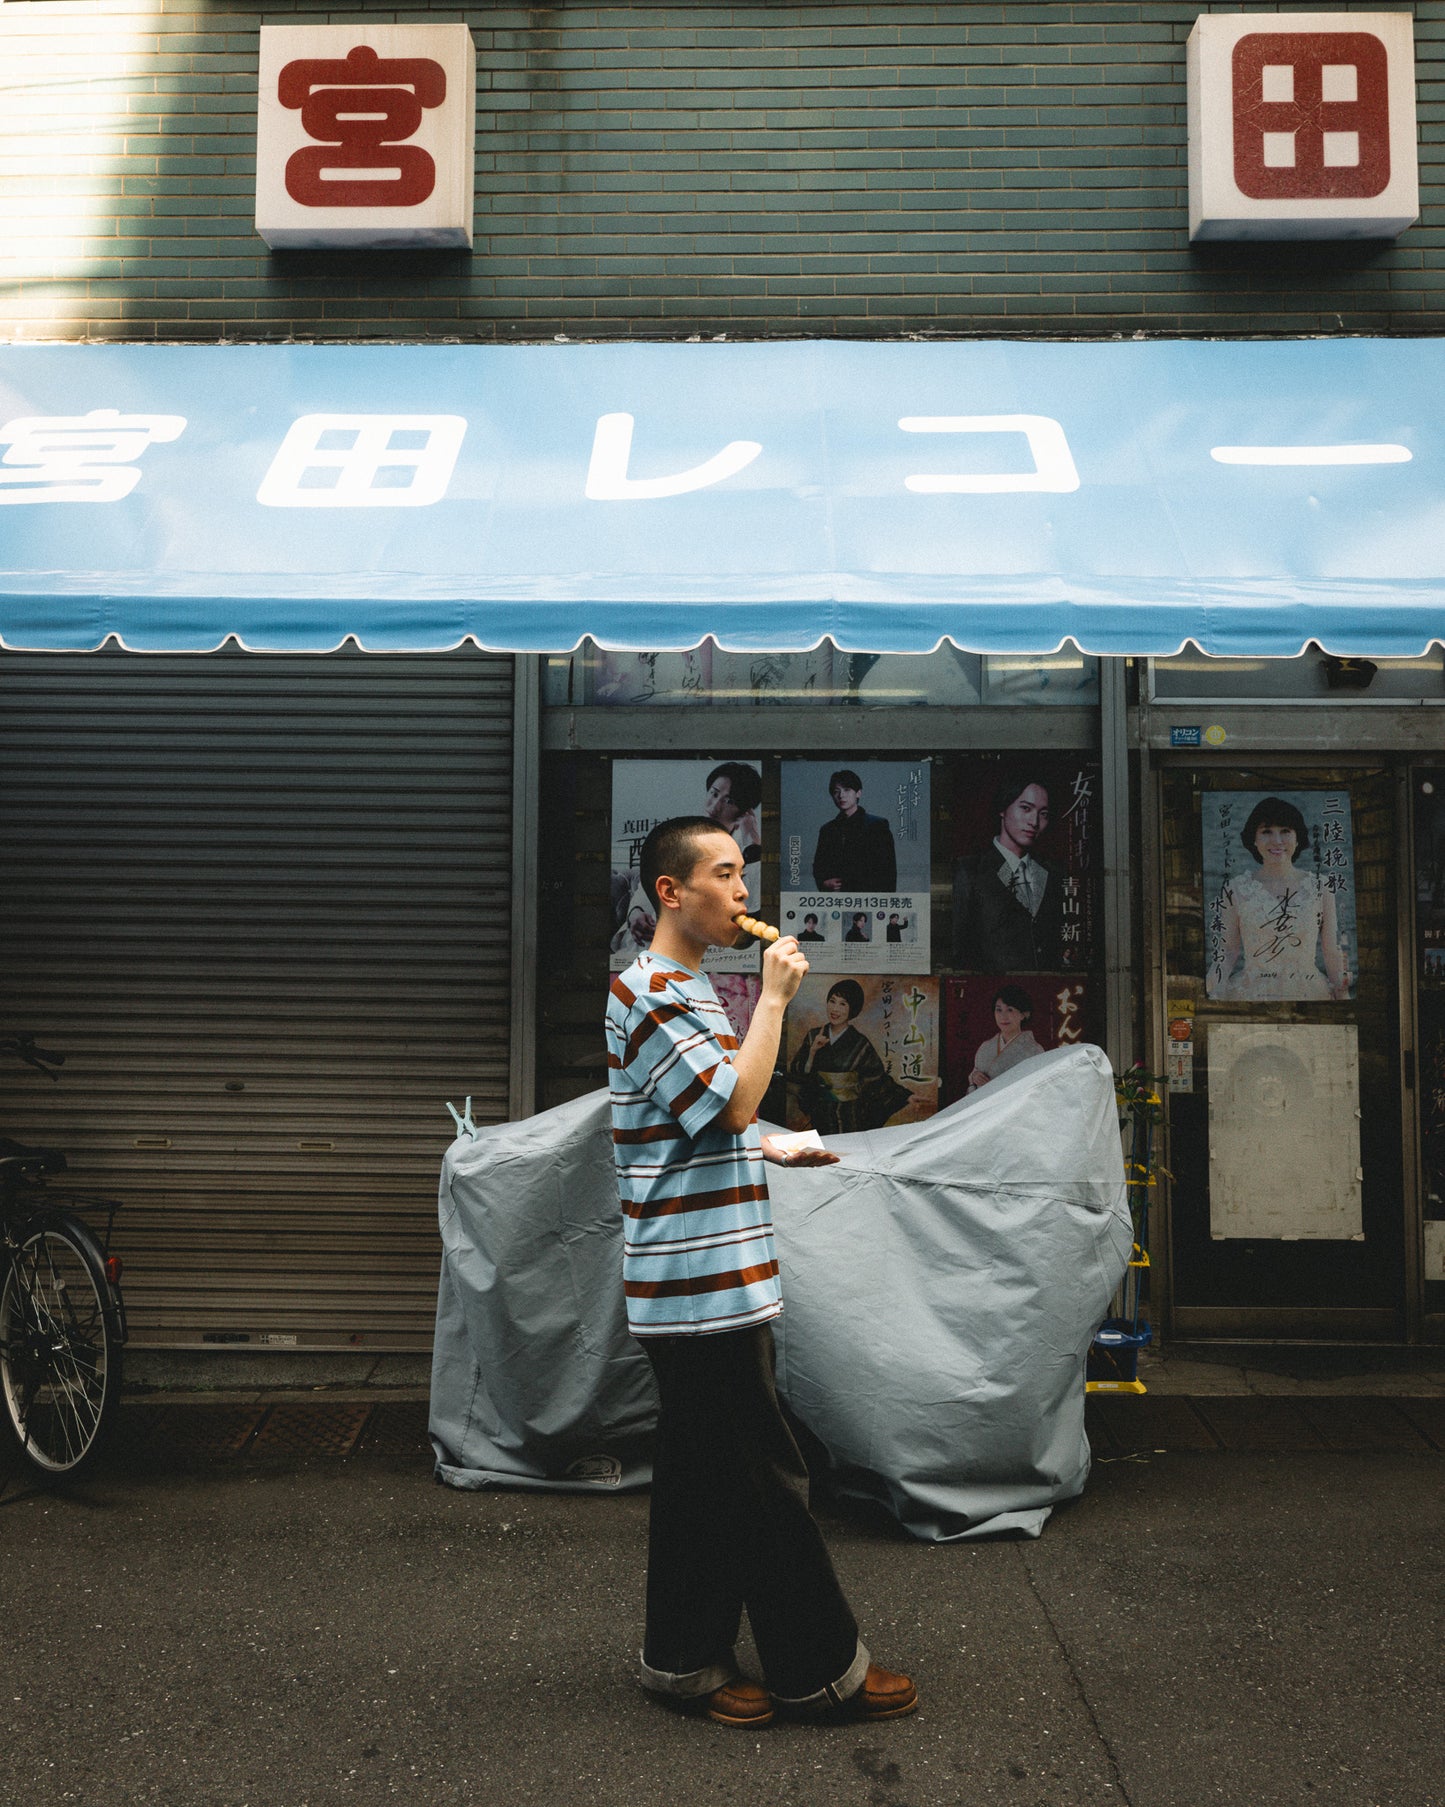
286,874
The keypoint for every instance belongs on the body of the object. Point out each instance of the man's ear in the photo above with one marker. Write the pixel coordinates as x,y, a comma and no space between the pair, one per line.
666,888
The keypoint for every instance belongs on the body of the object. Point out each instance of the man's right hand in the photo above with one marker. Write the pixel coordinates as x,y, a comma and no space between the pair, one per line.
783,969
784,965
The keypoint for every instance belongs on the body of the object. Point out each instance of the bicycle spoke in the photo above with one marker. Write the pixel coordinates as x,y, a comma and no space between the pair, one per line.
77,1396
55,1355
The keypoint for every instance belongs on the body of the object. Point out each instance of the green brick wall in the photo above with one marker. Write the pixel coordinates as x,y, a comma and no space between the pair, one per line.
671,169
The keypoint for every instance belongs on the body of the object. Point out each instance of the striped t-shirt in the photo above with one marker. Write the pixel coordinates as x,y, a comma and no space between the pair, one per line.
698,1250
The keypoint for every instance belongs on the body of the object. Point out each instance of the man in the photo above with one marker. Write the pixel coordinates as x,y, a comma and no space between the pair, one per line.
810,929
734,791
730,1525
855,850
1008,903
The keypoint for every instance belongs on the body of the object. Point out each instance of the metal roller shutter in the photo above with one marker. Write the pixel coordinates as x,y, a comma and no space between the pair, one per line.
261,904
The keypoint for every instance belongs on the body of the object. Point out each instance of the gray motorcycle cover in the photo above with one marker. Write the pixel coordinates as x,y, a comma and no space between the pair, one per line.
941,1288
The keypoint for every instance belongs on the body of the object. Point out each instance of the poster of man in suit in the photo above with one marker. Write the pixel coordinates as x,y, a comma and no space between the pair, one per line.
855,863
1025,874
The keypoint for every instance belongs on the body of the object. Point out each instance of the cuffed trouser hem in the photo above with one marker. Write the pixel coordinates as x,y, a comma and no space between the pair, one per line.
833,1694
695,1682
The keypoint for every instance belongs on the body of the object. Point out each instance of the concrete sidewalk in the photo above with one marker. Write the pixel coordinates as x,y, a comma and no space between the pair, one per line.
274,1629
1339,1370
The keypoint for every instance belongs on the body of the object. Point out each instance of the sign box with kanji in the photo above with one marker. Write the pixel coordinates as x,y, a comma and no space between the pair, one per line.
1302,125
364,136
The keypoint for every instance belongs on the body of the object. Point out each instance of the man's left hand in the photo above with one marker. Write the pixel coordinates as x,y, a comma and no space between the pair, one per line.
802,1157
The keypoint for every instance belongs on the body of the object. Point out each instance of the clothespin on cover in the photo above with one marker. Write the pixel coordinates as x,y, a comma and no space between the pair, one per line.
465,1126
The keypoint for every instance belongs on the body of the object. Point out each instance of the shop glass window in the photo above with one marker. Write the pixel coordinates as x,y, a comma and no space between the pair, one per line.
947,933
1314,676
595,678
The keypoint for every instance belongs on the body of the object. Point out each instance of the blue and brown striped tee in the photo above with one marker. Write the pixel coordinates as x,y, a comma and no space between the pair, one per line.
698,1250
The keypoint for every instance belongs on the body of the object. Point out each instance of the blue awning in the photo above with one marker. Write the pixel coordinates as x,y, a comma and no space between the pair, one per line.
1250,497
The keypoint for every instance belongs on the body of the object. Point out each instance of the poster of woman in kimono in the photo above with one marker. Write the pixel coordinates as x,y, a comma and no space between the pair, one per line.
862,1052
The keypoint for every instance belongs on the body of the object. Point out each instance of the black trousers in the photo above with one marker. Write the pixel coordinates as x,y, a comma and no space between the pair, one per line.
730,1528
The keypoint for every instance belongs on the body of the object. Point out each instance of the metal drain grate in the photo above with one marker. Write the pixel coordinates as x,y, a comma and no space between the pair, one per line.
1131,1421
398,1429
183,1432
1428,1417
310,1430
1362,1424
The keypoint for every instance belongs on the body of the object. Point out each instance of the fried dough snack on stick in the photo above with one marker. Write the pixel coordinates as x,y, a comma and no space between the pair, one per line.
760,931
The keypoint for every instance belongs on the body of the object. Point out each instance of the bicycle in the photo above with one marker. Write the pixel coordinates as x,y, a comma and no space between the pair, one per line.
62,1317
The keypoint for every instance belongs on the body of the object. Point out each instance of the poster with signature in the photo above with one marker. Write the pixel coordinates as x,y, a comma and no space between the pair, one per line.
1279,896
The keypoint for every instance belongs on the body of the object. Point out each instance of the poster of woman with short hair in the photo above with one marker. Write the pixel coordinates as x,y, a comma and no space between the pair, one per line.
992,1025
862,1052
1279,896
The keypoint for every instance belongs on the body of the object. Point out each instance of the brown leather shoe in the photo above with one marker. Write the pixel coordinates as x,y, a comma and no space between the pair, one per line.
883,1695
739,1702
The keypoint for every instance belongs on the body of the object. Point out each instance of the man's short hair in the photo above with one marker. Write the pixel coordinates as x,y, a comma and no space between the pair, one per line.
1012,785
810,917
850,780
673,848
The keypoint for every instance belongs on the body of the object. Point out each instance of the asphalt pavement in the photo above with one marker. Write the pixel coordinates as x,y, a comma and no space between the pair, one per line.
269,1603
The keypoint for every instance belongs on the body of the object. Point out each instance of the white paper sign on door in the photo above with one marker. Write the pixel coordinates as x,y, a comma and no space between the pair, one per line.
1284,1131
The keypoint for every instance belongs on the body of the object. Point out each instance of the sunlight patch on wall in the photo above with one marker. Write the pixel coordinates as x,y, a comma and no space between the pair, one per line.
79,129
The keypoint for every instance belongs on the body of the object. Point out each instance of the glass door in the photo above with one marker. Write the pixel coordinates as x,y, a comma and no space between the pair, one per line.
1282,1002
1427,791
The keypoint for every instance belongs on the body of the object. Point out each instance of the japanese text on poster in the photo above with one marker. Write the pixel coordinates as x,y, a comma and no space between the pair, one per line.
855,864
648,791
1025,874
1279,895
862,1052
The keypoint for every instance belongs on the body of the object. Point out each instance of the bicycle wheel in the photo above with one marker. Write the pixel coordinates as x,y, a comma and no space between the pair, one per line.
59,1351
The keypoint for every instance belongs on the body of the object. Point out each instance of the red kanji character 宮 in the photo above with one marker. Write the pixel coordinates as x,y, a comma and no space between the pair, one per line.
359,108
